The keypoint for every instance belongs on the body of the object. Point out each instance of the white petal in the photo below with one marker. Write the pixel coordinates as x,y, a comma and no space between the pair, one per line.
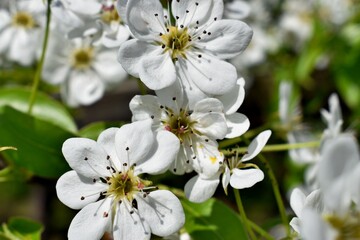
210,125
86,157
121,8
5,19
130,226
208,158
314,227
134,141
295,223
6,37
205,11
106,140
140,16
245,178
87,7
209,105
132,52
257,145
109,70
144,107
23,46
228,38
233,99
157,72
116,37
166,95
339,159
199,190
211,75
164,153
71,187
91,222
163,212
297,201
226,178
237,124
54,71
83,88
237,9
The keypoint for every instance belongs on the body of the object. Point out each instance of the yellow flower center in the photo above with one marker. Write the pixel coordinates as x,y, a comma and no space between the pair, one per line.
24,20
348,227
125,185
176,41
82,57
110,15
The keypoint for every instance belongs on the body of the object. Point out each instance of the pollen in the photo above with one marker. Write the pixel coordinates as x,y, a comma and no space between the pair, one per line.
82,57
213,160
179,124
109,15
347,227
24,20
177,41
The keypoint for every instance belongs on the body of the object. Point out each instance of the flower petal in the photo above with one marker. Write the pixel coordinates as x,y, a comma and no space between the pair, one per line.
134,141
92,7
211,125
233,99
106,140
209,105
130,226
121,9
237,124
109,70
204,10
158,71
132,52
71,188
237,9
163,212
210,74
86,157
314,227
6,37
144,107
245,178
228,38
199,190
23,46
92,221
257,145
83,88
162,156
226,178
145,19
297,201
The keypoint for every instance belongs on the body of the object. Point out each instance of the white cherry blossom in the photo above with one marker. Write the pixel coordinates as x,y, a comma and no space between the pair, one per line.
106,186
83,71
234,171
20,30
189,50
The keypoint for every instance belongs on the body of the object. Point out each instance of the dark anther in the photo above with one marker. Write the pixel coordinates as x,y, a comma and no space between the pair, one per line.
156,14
204,32
199,38
215,18
108,157
163,46
94,180
108,167
103,180
199,56
177,17
197,22
209,33
174,98
194,157
197,4
187,11
82,198
85,158
174,169
127,148
134,204
182,26
168,30
124,164
206,140
188,161
161,106
160,34
152,116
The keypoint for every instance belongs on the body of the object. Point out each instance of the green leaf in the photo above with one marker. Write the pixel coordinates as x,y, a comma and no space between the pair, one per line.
38,142
212,220
93,130
21,228
45,108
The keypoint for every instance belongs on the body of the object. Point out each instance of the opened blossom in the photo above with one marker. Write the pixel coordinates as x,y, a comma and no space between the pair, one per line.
83,71
198,128
21,28
106,185
234,170
186,44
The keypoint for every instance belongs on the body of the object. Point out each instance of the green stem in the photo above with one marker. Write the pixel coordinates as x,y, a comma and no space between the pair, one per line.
243,214
282,147
259,230
38,72
276,190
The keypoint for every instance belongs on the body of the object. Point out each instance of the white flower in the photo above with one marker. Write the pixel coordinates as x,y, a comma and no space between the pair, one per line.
333,211
99,19
235,172
190,50
106,186
83,70
333,117
21,29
